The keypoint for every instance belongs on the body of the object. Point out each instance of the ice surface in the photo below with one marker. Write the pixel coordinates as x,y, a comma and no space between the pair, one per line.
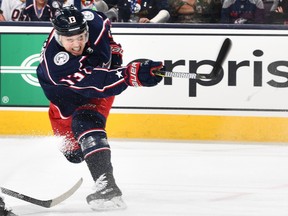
157,178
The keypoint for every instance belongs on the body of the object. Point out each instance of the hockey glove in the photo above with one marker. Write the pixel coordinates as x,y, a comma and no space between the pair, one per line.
117,53
141,74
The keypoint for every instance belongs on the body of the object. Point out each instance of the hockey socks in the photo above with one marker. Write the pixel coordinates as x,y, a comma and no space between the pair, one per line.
97,154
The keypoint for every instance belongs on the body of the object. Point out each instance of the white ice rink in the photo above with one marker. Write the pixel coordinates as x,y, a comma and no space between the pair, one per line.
156,178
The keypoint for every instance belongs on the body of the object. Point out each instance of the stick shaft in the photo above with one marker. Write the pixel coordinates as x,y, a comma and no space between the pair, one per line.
44,203
214,73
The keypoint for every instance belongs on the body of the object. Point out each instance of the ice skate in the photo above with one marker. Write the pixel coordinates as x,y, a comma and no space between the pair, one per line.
107,196
4,211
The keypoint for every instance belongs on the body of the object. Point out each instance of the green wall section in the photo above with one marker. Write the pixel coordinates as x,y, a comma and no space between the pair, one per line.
20,54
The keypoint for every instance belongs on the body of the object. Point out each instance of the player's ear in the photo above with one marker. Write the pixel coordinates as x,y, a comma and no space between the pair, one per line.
58,38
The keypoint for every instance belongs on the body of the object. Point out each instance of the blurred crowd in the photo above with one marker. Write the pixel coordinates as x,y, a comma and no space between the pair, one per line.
156,11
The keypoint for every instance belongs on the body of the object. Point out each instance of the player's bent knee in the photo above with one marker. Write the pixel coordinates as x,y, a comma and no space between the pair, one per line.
86,120
93,143
88,129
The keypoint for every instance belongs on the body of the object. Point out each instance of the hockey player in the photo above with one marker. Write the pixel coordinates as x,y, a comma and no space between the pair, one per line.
3,210
80,72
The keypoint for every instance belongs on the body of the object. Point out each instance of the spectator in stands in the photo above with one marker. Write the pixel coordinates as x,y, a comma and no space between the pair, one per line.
12,9
145,11
98,5
38,10
1,13
195,11
91,4
243,12
67,2
278,12
1,16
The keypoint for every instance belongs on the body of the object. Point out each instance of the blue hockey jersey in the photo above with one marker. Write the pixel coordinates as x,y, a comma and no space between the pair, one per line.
70,81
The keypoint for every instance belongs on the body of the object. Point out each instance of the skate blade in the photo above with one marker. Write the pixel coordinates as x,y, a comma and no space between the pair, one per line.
115,203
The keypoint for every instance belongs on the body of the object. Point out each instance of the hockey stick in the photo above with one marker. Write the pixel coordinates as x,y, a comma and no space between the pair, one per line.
214,73
44,203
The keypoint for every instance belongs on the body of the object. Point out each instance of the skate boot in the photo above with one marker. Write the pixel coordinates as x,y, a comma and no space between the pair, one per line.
107,195
4,211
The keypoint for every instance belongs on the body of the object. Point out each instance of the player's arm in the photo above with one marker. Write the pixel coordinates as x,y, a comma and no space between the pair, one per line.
116,49
102,82
116,54
111,52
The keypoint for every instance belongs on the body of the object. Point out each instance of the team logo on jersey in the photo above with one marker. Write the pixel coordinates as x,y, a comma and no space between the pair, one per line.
61,58
88,15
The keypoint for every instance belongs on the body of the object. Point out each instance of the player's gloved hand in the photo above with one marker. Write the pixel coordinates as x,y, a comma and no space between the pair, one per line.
117,53
141,74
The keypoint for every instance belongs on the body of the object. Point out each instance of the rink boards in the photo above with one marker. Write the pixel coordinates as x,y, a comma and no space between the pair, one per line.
247,102
161,126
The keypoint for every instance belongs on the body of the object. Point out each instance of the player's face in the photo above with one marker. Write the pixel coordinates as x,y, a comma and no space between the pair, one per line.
74,44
